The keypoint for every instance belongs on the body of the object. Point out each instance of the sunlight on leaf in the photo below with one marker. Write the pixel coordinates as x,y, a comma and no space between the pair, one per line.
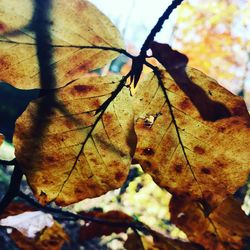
210,159
71,162
53,29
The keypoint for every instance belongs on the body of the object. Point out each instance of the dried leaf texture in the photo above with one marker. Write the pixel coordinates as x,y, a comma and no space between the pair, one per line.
225,228
62,160
209,159
52,26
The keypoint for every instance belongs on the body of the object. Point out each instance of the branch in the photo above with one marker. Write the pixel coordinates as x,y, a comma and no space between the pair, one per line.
13,188
72,216
158,26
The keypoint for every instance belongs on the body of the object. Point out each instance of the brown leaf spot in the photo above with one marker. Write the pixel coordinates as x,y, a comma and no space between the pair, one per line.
83,88
2,27
68,124
147,164
178,168
97,40
199,150
221,129
119,176
107,118
205,170
208,196
4,63
238,111
148,151
96,103
185,104
81,5
80,68
49,158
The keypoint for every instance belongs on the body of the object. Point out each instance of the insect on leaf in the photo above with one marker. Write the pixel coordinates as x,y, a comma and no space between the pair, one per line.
39,39
71,155
203,159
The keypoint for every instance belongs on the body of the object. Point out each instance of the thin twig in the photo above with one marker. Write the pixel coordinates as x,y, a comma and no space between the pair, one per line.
13,188
158,26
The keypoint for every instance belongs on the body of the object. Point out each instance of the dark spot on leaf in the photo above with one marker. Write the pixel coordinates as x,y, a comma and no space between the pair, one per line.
2,27
83,88
235,122
199,150
119,176
178,168
206,170
68,124
50,158
148,151
221,129
185,104
96,103
107,117
147,164
238,110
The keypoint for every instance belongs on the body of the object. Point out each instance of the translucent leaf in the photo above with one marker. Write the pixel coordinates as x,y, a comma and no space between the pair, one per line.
39,40
68,152
186,153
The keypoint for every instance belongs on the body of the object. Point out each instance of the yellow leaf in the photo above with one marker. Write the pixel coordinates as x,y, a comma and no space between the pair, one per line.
191,155
41,53
60,156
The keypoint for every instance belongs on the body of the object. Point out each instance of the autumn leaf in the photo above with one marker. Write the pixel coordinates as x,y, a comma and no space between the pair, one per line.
202,159
93,229
225,228
157,241
72,153
40,41
50,238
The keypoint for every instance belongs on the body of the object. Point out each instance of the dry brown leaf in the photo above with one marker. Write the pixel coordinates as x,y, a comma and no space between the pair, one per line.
93,229
75,22
157,242
50,238
225,228
214,160
49,141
